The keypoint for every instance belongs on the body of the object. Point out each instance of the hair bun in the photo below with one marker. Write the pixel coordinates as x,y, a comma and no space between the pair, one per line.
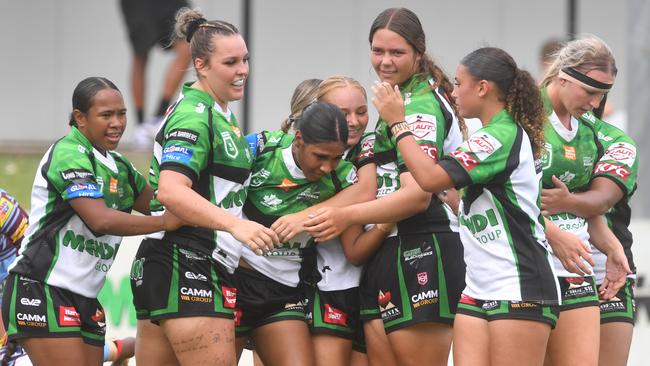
193,26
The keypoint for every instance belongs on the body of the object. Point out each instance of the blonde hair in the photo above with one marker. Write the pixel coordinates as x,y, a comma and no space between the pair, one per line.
338,81
304,94
584,54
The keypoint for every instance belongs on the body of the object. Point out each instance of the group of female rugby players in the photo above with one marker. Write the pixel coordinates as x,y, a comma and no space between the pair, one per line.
322,244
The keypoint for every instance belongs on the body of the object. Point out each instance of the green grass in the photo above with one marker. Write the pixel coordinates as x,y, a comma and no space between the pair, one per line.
17,172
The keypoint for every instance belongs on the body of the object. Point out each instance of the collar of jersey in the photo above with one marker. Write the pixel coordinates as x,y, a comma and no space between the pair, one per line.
107,160
290,163
414,83
501,116
558,126
205,98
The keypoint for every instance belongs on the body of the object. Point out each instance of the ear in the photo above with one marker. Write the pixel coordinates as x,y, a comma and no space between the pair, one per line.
200,65
298,141
483,88
80,117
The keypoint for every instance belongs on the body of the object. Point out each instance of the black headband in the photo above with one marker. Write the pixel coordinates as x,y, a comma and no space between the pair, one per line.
586,79
193,26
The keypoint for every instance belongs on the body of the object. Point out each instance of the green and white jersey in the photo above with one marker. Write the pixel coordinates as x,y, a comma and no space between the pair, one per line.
435,128
203,142
337,273
59,249
570,156
620,163
278,187
506,252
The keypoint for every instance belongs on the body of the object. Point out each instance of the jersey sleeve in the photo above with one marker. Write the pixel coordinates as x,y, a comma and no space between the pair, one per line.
71,172
619,163
477,160
13,219
186,144
366,153
454,136
344,176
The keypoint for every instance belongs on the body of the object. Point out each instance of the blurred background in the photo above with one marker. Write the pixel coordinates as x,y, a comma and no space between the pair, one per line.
49,46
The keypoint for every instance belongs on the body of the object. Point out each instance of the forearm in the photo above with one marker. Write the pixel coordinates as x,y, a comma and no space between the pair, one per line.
359,245
588,204
194,209
394,207
419,164
601,236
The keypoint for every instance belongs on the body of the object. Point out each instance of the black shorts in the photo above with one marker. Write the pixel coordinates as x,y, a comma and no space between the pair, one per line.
620,308
173,282
334,312
578,292
413,279
149,22
33,309
503,309
261,300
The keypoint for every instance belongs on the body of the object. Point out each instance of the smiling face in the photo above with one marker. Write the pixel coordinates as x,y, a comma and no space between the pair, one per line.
578,98
392,57
355,107
316,160
104,122
225,73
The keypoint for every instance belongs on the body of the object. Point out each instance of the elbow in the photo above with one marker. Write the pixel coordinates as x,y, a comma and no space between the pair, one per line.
356,260
164,196
423,202
101,224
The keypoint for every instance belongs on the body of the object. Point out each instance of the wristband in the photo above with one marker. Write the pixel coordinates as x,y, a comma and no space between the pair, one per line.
402,135
399,126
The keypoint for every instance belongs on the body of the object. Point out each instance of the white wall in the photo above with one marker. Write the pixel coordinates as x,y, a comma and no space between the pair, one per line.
49,46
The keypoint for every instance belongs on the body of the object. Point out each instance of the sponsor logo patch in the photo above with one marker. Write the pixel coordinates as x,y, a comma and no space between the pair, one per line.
425,298
229,296
431,150
422,125
569,152
423,278
196,276
482,144
30,302
73,174
622,153
90,190
335,316
196,295
182,134
467,160
177,154
31,320
68,317
610,168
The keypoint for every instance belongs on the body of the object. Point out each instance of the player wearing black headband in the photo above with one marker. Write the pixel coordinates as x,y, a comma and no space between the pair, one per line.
582,74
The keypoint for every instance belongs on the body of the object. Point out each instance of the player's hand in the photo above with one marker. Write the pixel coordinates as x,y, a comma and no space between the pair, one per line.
171,222
616,271
572,252
258,238
288,226
326,224
557,199
389,103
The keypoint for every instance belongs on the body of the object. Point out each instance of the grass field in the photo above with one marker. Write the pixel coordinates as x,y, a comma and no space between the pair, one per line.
17,170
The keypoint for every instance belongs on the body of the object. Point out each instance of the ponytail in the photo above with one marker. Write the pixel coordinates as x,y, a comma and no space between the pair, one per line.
525,105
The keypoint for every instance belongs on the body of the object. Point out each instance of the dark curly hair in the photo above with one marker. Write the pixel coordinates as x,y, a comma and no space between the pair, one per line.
517,87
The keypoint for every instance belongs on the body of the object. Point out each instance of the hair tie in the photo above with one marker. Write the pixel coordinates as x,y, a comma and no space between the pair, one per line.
193,26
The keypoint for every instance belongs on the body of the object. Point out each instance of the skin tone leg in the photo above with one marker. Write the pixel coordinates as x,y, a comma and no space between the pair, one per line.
471,341
62,351
138,71
273,340
512,341
201,340
422,344
331,350
379,351
615,341
358,359
575,339
152,347
177,69
240,344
